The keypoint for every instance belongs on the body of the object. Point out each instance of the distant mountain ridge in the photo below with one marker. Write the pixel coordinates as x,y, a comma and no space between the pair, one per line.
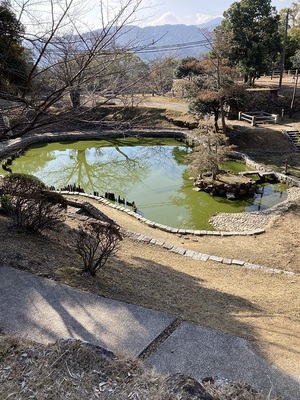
176,41
153,42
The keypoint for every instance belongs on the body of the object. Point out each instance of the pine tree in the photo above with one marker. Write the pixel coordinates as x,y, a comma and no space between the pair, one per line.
13,56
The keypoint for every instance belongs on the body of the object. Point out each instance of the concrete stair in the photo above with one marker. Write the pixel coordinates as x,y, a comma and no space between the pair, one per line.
295,139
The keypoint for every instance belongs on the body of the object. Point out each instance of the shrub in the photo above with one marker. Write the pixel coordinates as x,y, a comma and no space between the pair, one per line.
96,241
32,206
6,203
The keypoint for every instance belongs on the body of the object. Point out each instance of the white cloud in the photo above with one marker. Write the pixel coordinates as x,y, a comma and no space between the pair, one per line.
167,18
202,18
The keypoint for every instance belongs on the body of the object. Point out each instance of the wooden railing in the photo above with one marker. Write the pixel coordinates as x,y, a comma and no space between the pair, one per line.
259,117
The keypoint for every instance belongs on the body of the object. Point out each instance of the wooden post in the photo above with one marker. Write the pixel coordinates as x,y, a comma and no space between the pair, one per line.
284,48
294,93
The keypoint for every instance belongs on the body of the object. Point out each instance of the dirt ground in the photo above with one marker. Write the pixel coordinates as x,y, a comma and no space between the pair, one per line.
278,247
264,308
259,306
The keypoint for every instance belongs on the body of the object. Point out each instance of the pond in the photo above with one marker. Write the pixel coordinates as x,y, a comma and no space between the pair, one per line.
151,172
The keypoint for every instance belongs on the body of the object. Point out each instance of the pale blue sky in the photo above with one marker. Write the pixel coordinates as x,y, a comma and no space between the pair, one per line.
156,12
192,12
151,12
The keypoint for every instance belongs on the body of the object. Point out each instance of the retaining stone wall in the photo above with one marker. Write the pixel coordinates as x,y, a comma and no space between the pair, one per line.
283,178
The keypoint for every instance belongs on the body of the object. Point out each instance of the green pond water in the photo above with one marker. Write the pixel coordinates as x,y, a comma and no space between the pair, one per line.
151,172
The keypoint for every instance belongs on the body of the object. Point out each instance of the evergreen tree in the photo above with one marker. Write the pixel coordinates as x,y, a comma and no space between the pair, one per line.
188,67
252,29
13,56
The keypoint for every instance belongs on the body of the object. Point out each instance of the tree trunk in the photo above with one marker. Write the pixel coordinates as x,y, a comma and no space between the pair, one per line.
75,98
216,117
215,171
216,126
223,117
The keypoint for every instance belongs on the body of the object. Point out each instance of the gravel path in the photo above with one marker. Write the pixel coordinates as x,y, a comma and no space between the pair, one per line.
248,221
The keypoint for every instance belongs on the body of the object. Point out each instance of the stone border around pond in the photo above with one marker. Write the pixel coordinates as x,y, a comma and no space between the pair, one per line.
95,213
12,146
156,225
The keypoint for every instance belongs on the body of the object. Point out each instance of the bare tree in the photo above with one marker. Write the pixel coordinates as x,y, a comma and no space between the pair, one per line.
213,91
162,74
211,150
96,241
66,61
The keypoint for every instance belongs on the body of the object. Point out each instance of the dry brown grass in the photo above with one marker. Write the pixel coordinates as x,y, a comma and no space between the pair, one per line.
261,307
74,370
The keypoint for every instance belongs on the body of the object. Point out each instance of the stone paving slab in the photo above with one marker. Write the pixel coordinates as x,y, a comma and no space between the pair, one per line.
200,352
44,311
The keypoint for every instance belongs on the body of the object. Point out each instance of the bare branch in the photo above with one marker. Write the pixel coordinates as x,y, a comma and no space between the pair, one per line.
66,62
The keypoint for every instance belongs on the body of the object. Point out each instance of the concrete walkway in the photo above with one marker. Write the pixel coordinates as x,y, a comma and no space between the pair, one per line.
44,311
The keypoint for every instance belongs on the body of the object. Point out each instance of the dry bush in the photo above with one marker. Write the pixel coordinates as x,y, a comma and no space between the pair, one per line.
96,241
26,199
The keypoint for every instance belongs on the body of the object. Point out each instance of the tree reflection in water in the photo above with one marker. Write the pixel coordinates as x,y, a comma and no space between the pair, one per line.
151,172
114,166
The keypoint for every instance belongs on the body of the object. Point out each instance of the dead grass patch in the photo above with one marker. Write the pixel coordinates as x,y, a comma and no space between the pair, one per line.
261,307
75,370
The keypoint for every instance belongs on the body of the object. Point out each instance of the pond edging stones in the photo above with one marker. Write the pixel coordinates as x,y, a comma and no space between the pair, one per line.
175,249
225,224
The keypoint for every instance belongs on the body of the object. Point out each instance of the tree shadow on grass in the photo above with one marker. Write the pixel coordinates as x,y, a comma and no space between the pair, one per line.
165,289
151,284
